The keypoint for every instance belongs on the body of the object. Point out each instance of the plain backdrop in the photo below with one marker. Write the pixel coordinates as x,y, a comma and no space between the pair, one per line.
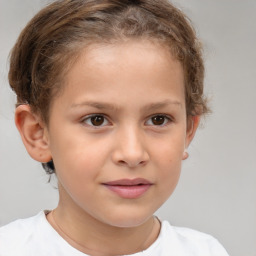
217,189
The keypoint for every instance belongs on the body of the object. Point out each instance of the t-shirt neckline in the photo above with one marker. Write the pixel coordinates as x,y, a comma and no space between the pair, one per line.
59,239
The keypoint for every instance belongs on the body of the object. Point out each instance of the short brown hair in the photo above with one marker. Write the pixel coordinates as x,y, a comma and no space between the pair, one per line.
52,40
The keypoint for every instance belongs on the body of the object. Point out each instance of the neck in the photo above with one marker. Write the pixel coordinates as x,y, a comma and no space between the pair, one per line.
91,236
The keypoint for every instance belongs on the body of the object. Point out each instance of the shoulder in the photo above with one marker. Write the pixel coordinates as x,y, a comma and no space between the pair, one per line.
20,227
191,242
33,236
15,235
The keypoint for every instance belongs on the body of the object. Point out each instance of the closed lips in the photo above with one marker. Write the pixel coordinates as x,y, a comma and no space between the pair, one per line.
129,188
128,182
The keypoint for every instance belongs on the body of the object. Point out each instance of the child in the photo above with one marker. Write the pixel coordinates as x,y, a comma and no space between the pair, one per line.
110,95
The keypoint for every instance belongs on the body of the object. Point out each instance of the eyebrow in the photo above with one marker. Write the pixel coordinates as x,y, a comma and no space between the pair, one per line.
110,106
162,104
97,105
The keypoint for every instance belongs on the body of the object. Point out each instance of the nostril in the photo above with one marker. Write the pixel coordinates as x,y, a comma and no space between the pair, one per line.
130,158
131,163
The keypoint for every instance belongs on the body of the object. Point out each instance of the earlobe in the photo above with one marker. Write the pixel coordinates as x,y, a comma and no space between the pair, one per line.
185,155
192,125
33,133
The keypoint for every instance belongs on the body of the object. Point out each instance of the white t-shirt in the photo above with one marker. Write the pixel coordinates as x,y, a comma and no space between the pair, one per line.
36,237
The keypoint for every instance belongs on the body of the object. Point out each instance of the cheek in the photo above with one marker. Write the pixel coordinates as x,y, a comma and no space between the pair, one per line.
81,158
169,170
168,159
170,149
78,168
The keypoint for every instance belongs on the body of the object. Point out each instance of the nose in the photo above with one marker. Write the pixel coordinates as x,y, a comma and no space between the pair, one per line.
130,149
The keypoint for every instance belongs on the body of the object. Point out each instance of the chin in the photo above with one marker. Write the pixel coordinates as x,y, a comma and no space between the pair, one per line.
127,219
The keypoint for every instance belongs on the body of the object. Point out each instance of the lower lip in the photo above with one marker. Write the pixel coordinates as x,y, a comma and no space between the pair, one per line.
129,192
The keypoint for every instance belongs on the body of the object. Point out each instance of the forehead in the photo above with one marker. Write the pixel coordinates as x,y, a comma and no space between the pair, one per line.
131,49
121,70
133,55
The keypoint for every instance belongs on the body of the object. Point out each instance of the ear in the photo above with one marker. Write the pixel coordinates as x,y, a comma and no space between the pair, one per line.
33,133
192,125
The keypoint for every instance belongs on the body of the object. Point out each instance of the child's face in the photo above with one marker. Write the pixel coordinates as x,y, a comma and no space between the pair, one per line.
121,116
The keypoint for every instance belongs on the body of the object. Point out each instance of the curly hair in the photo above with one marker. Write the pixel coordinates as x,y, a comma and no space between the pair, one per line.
51,42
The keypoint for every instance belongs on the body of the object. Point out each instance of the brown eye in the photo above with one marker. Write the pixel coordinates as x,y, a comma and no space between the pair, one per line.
158,120
96,120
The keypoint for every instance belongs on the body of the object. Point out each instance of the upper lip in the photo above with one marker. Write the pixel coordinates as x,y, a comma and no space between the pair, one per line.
128,182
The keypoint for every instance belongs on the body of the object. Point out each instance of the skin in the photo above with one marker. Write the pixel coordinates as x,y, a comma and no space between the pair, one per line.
127,84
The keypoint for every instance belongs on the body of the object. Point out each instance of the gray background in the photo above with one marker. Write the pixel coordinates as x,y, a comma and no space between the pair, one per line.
217,190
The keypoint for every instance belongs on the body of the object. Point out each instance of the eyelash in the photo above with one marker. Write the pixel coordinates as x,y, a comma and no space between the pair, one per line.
89,118
167,120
